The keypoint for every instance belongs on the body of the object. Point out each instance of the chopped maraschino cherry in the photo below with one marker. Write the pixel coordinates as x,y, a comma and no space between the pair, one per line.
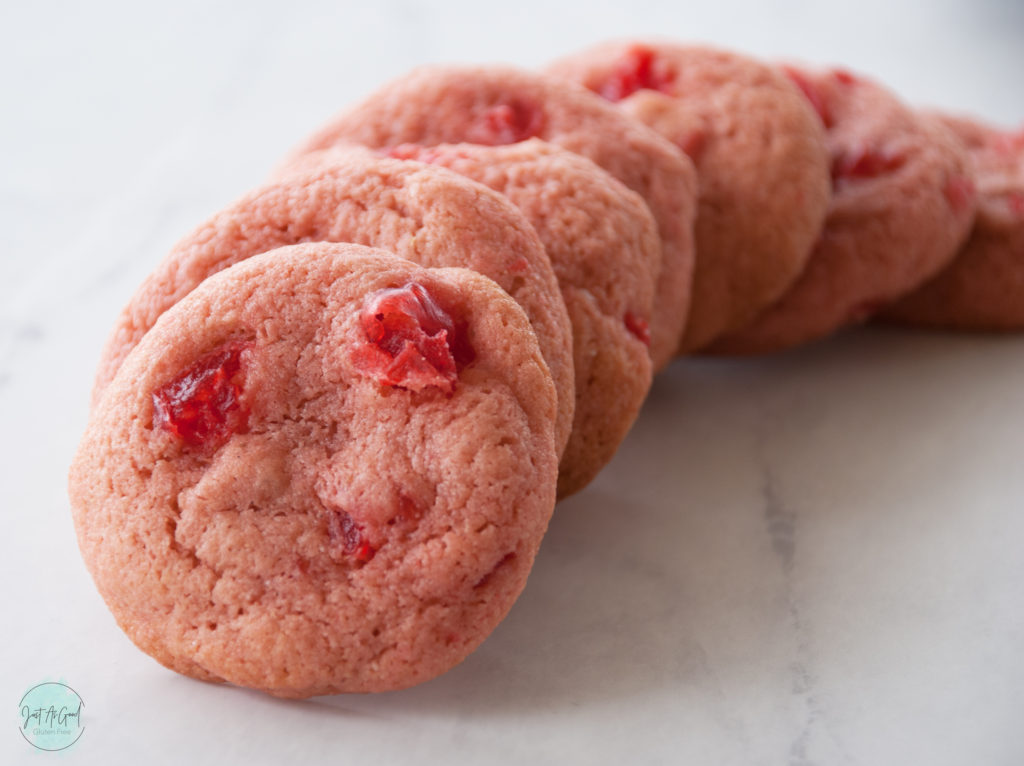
845,76
639,327
202,406
411,342
507,123
344,531
635,70
865,162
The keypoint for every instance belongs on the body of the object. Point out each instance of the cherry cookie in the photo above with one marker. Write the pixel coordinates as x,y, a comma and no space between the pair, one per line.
603,245
325,470
500,105
429,215
902,204
760,155
983,288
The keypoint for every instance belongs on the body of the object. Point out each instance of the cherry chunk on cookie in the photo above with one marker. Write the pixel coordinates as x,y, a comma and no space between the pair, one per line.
326,469
203,404
411,342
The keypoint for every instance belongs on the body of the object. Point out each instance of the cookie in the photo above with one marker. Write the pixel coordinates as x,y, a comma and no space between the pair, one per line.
326,469
760,155
429,215
901,207
983,288
603,244
500,105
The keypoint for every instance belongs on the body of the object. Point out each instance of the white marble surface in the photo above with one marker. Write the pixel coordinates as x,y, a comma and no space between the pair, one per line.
809,559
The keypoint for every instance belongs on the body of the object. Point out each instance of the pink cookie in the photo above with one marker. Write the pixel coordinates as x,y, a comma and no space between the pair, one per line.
760,155
497,105
902,205
324,470
983,288
429,215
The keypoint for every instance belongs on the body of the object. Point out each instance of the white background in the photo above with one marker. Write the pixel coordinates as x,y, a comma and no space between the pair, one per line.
809,559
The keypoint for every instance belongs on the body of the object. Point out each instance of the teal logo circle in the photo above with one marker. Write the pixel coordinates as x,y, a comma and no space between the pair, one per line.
51,716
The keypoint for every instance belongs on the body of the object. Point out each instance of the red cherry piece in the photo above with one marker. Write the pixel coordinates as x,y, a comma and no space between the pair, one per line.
638,326
845,77
202,406
347,534
959,192
411,342
811,92
635,70
365,552
506,124
865,162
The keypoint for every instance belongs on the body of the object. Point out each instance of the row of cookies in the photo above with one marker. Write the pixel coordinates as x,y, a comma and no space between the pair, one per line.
922,220
329,469
823,199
